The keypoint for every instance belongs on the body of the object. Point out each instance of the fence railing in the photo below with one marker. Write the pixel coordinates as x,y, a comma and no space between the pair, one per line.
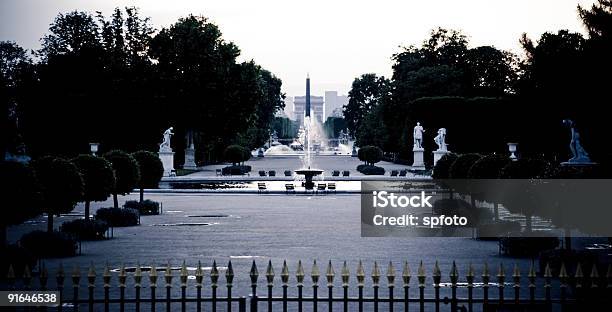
571,289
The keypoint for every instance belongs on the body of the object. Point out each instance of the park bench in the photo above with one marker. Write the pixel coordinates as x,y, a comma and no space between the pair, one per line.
331,187
271,173
261,187
287,173
262,173
345,173
321,187
335,173
289,187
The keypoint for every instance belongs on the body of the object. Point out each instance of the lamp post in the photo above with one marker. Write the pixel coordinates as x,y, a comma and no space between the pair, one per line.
93,147
512,150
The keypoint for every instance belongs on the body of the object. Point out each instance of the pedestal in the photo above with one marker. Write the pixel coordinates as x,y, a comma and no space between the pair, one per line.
437,155
418,163
167,159
190,159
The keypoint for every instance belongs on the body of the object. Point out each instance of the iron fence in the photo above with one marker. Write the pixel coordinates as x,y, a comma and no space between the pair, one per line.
571,290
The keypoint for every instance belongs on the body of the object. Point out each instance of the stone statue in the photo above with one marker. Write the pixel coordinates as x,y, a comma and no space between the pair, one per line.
418,136
165,145
440,139
579,155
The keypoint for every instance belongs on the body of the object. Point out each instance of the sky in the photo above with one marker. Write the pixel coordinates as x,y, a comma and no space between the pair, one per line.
334,41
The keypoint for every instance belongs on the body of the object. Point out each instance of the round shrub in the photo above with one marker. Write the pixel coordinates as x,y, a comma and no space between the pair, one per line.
151,170
441,170
371,170
236,154
488,167
462,165
49,244
146,207
370,154
61,186
118,217
98,178
83,229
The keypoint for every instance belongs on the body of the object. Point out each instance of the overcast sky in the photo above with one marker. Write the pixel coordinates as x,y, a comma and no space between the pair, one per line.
334,40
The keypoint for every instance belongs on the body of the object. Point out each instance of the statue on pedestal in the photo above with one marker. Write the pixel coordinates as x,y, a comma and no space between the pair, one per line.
418,136
440,139
165,144
579,155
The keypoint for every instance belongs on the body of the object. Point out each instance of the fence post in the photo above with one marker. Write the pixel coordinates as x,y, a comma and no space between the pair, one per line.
470,287
59,279
214,279
299,275
199,275
454,277
345,284
547,283
501,276
10,277
153,286
122,279
516,278
406,280
270,280
360,284
229,279
314,274
106,277
375,284
44,276
437,277
137,285
91,279
563,279
391,284
183,277
242,304
330,285
532,283
76,277
253,274
285,281
485,285
168,279
421,277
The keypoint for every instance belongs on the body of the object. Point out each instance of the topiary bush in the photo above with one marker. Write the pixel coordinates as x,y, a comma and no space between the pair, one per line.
98,179
442,168
118,217
370,154
151,170
236,154
127,174
462,165
145,208
85,229
371,170
49,244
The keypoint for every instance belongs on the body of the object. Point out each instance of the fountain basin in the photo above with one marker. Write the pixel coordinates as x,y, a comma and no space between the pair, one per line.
308,175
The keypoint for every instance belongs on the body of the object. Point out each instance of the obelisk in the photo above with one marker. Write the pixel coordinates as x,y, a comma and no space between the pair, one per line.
307,108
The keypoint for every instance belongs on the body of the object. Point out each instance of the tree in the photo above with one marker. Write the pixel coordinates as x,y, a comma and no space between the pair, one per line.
236,154
21,195
370,155
488,167
98,179
126,171
61,186
366,93
442,168
151,170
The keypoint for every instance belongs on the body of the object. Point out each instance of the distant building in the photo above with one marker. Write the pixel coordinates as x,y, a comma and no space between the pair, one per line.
334,103
289,107
316,106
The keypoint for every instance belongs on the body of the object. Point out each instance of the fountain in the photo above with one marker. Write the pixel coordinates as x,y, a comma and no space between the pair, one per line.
306,171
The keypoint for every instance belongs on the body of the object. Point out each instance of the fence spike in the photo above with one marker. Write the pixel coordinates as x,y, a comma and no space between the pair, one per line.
106,275
375,274
199,274
391,274
501,275
532,275
330,274
59,276
137,275
122,275
76,275
579,275
437,274
609,275
594,276
421,274
254,274
229,274
270,273
168,275
91,275
406,274
10,275
454,274
44,276
299,274
214,274
547,271
360,274
315,273
345,275
153,276
485,274
516,275
27,275
285,273
183,274
562,274
470,274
